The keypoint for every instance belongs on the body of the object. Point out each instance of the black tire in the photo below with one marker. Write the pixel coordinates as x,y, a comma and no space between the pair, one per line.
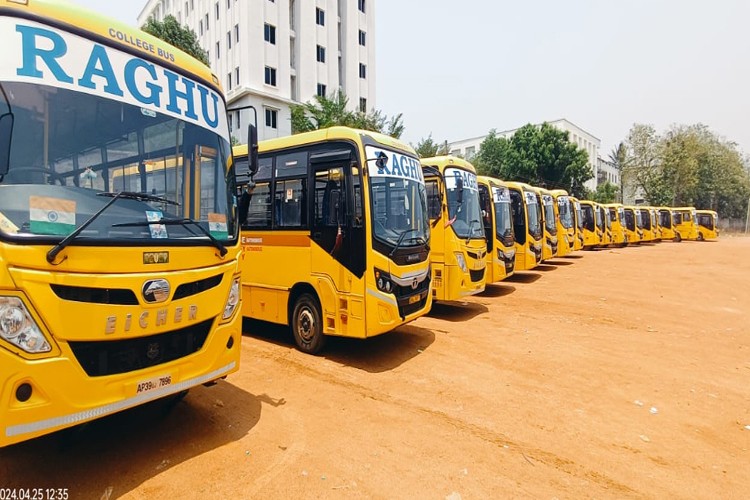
678,237
307,324
700,236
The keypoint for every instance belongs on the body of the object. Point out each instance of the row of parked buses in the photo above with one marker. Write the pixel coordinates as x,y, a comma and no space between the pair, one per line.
348,233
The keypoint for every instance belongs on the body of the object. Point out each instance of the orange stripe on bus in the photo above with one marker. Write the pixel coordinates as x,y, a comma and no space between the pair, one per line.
276,240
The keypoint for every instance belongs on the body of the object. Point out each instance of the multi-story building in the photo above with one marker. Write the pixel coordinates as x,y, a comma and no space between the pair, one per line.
584,140
274,53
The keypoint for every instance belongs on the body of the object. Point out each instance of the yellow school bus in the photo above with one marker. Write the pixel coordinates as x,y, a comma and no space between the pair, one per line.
566,229
335,235
646,223
548,209
458,248
685,222
527,225
118,228
655,228
666,228
592,224
617,218
708,228
577,212
606,225
494,199
631,222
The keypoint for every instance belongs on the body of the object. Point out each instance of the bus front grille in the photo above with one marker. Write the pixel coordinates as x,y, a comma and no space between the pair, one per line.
109,357
476,275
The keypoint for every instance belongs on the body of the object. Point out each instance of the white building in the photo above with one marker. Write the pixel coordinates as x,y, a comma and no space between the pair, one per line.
274,53
591,144
606,172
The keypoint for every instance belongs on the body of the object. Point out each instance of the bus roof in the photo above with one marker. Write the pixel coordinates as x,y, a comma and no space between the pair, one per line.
76,19
491,180
443,162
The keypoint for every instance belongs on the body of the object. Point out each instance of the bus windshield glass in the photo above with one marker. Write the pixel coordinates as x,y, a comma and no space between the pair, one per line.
399,198
501,202
464,213
665,219
75,145
535,218
563,207
549,214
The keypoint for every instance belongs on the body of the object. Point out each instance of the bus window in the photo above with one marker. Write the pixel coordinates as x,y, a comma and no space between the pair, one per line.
289,203
433,199
259,210
519,216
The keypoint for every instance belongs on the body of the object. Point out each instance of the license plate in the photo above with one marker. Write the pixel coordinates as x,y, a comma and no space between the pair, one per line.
415,299
153,384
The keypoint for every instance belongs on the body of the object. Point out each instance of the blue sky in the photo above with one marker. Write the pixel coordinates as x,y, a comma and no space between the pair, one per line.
601,64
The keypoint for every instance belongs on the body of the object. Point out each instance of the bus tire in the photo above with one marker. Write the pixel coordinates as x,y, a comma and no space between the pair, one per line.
307,324
700,236
678,237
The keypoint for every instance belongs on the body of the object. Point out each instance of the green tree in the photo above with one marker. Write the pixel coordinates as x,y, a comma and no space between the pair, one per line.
605,193
540,155
325,111
427,147
171,32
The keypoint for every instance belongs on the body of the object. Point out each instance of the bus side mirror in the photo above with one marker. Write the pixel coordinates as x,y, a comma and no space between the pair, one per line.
252,149
6,132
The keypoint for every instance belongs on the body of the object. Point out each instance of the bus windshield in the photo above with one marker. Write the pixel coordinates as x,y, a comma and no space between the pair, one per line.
464,214
535,218
69,147
665,219
399,198
566,216
579,215
549,214
501,202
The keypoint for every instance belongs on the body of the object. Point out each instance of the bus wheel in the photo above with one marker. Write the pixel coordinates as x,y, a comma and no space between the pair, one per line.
700,236
678,237
307,324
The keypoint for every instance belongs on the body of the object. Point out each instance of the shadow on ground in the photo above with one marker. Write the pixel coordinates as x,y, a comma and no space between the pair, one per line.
523,277
497,290
456,311
116,454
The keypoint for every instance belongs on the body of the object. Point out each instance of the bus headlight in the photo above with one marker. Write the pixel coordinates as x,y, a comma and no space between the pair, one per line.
461,261
233,299
383,281
19,328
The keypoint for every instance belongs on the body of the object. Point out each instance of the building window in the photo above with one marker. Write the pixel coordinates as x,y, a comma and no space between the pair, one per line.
320,17
229,119
186,10
206,22
270,76
229,40
200,27
238,115
217,11
229,81
237,75
321,90
363,104
192,5
272,117
321,54
361,6
362,71
236,33
218,51
229,4
362,38
269,33
470,152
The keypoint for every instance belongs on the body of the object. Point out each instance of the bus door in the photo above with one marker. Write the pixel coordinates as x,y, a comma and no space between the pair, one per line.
337,230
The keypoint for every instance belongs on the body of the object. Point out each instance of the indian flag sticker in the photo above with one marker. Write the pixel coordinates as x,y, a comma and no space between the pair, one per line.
217,226
51,215
157,230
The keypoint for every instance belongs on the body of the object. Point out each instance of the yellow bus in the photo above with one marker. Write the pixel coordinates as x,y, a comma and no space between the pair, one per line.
566,229
617,218
118,227
606,225
666,228
655,228
708,228
631,218
548,209
527,225
685,222
577,213
494,198
458,248
592,224
646,223
335,235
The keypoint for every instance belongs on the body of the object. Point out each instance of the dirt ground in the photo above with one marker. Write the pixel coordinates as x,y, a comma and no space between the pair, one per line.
610,374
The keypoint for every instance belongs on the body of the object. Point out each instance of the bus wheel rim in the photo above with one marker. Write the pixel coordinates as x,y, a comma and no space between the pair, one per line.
306,325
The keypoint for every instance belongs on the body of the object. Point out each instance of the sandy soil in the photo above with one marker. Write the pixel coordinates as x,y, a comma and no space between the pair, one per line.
611,374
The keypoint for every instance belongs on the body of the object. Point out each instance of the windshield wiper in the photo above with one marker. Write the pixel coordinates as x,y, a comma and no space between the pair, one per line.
401,240
134,195
179,222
